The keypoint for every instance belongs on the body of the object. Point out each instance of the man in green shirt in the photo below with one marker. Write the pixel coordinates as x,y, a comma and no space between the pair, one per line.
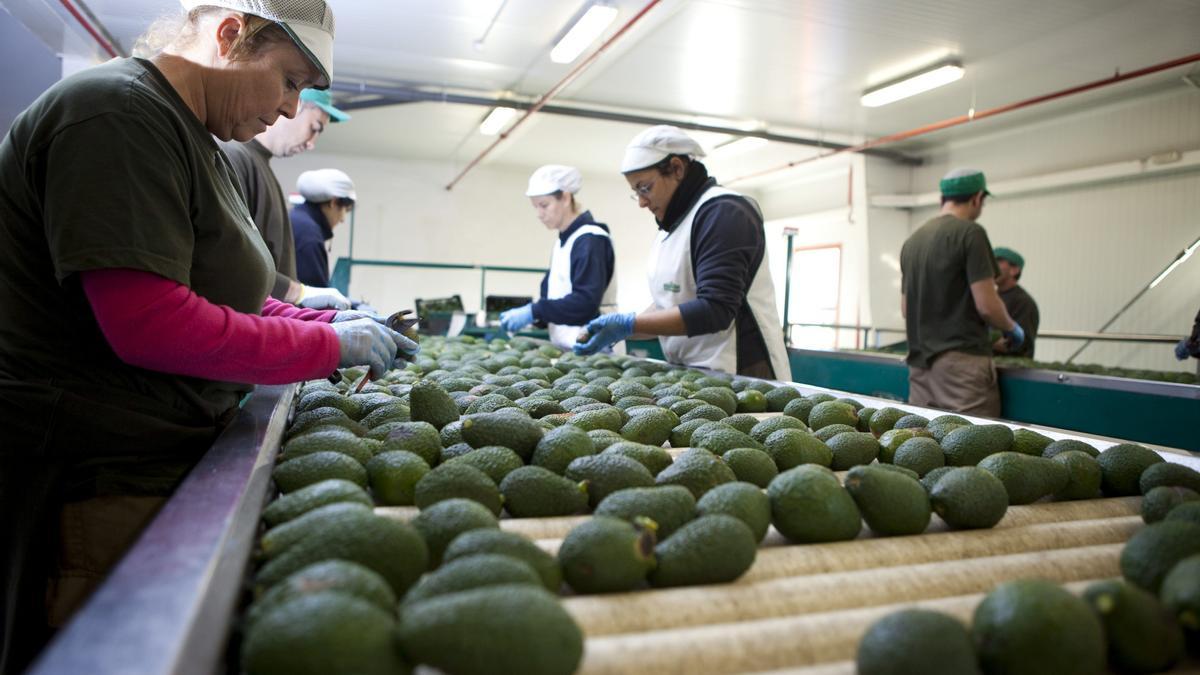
265,198
1019,303
948,298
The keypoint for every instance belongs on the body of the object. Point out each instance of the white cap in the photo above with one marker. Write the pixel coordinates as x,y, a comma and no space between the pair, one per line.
323,185
308,22
554,178
656,144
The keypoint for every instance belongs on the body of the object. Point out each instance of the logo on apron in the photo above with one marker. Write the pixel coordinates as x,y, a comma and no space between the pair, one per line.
671,286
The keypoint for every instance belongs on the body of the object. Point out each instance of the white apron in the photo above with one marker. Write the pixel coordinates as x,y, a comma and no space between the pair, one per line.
673,282
558,285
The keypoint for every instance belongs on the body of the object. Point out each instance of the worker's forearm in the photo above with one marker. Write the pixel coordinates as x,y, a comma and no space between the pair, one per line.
293,292
667,321
995,314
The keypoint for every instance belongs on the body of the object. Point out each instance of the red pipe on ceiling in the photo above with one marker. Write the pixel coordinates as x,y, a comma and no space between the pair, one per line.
87,25
554,90
991,112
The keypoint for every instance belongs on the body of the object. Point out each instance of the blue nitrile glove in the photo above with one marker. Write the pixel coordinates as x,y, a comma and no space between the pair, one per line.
1015,337
1181,350
317,297
516,318
365,342
605,331
356,314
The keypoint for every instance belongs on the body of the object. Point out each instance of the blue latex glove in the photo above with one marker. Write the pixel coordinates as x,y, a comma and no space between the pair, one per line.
605,331
365,342
1015,337
516,318
1181,350
356,314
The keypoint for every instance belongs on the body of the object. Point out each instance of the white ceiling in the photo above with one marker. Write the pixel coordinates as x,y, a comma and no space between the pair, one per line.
795,66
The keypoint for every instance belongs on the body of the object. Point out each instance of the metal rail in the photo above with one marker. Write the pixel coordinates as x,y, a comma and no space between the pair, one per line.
1042,334
168,605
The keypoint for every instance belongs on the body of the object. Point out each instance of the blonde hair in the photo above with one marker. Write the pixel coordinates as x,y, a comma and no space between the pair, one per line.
181,30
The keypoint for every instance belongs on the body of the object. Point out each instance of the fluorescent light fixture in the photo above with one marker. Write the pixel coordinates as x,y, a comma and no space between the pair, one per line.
583,33
911,85
1183,255
739,146
496,120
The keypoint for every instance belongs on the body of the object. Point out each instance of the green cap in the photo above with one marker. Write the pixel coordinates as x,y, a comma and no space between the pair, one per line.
322,99
964,182
1010,255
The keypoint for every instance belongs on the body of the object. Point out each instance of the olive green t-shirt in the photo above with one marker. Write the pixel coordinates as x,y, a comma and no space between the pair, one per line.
268,207
110,169
938,264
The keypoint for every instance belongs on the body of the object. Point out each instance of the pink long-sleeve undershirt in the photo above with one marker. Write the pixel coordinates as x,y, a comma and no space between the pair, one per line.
158,324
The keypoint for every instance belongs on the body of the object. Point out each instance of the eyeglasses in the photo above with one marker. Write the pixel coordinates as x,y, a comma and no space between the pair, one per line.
641,190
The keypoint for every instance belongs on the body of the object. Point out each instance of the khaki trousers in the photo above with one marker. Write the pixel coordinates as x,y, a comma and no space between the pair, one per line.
958,382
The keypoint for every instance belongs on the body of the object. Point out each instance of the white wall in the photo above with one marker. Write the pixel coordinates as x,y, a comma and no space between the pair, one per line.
404,213
1089,249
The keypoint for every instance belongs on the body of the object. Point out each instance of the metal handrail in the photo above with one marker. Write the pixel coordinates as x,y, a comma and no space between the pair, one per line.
1042,334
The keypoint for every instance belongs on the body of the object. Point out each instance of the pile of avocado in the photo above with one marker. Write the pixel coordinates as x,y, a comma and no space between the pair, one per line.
471,431
1095,369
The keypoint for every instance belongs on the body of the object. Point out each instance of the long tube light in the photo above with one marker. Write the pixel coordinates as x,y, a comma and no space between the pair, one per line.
910,85
1183,256
496,120
739,146
583,33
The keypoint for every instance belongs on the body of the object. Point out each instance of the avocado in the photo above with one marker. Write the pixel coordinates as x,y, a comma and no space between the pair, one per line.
519,434
930,479
450,481
478,542
477,571
792,447
712,549
744,501
394,476
969,498
1031,626
799,408
809,505
764,428
892,504
891,441
651,426
827,413
698,470
311,497
319,633
1121,468
1169,473
967,446
920,454
393,412
279,538
705,411
494,460
330,575
897,469
560,446
1068,444
825,433
451,434
940,431
721,397
1143,636
393,549
1029,442
852,448
751,466
606,474
1152,551
864,419
319,466
496,629
717,438
602,438
912,641
328,399
595,392
751,401
681,435
319,419
451,451
490,403
440,523
653,457
669,506
419,438
429,402
686,406
909,421
606,417
884,419
629,402
1026,479
779,397
1083,475
326,441
742,422
534,492
1180,593
1159,501
1186,512
607,555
